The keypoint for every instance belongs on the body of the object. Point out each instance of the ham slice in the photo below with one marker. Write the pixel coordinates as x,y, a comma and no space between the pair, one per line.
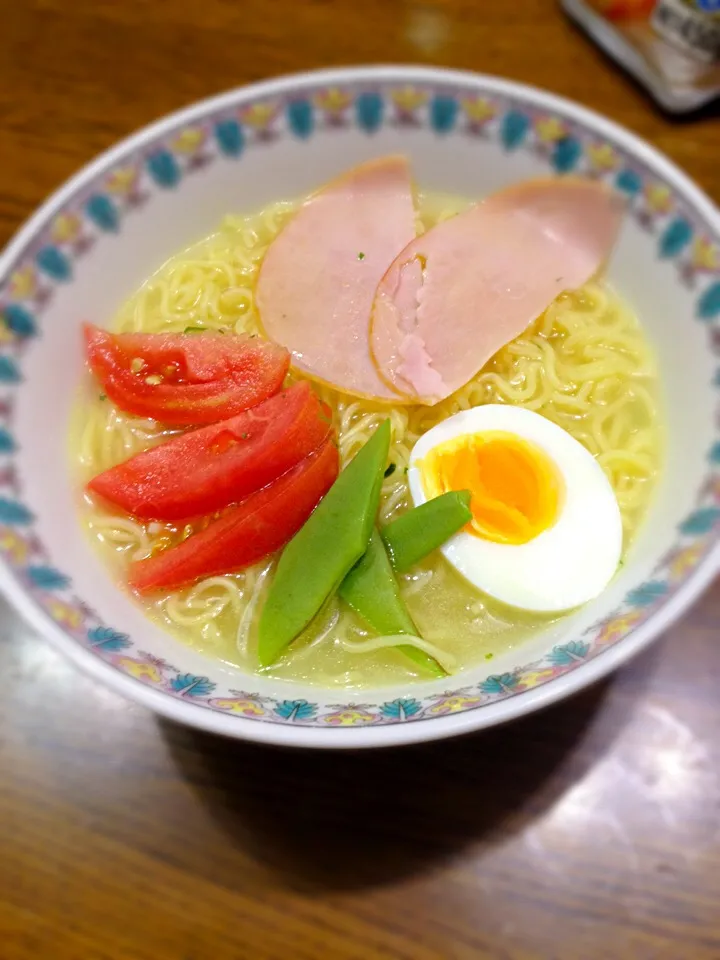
461,291
318,278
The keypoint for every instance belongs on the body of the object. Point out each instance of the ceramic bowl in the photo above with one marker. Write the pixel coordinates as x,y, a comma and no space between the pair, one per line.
114,223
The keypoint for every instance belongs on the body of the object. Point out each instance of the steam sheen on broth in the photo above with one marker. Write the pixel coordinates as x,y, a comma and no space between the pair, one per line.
584,364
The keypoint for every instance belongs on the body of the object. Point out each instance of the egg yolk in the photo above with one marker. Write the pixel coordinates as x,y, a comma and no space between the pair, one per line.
515,487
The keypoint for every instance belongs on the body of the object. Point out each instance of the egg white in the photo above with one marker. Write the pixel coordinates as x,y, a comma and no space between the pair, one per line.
564,566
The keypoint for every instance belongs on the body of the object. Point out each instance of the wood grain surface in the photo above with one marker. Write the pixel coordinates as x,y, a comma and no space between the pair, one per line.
589,831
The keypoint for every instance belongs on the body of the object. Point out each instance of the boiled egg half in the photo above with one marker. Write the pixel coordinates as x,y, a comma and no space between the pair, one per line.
546,531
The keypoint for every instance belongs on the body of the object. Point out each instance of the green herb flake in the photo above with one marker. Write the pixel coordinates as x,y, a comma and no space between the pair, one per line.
102,396
390,470
194,330
361,256
244,436
489,656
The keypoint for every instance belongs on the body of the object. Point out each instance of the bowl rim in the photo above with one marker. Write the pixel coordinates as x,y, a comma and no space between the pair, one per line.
489,714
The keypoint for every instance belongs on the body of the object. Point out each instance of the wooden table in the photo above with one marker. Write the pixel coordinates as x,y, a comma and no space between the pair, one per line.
589,831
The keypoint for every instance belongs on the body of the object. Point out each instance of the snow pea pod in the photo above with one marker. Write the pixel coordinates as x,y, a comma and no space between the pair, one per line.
425,528
318,557
371,589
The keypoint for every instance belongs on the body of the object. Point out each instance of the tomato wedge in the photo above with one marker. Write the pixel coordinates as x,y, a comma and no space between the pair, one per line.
185,379
206,469
247,532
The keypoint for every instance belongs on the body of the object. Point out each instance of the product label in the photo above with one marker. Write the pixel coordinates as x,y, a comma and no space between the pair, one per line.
671,46
691,25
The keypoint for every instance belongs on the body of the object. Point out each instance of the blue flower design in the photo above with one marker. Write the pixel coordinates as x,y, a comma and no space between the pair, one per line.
47,578
300,118
514,129
401,709
629,182
105,638
676,236
14,514
230,137
369,108
9,372
164,169
53,261
498,684
295,709
647,593
103,213
566,154
443,114
708,307
700,521
568,653
19,320
7,443
188,685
